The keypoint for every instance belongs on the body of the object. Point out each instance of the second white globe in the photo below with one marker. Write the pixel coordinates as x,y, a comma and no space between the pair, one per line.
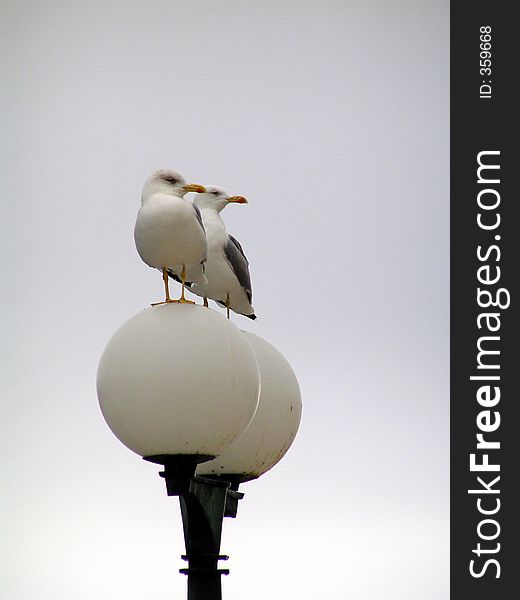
274,426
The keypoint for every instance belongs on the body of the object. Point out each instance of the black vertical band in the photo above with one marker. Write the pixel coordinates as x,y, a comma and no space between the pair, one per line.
485,268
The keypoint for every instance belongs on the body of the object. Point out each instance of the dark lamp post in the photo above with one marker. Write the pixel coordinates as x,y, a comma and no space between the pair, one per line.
204,503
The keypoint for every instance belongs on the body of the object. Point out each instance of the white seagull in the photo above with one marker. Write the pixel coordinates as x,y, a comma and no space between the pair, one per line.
227,268
169,234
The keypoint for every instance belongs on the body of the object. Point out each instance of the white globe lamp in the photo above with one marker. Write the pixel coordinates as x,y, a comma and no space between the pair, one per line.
274,426
178,380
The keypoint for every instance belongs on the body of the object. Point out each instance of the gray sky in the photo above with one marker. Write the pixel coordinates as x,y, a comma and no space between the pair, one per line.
332,118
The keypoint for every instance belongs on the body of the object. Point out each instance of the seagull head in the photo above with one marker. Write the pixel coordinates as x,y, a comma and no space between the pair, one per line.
170,182
216,198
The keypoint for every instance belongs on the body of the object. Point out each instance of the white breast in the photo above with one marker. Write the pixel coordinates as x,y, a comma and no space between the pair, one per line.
167,234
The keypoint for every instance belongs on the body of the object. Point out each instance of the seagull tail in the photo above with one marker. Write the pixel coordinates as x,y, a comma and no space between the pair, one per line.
189,282
175,277
253,317
197,277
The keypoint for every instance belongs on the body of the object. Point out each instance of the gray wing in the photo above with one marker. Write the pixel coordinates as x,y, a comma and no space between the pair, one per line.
240,265
199,217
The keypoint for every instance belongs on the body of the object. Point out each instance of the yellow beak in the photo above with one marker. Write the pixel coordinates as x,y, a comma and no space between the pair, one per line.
238,199
194,187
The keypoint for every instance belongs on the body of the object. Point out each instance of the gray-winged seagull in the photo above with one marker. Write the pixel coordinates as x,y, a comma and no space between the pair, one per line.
169,234
227,268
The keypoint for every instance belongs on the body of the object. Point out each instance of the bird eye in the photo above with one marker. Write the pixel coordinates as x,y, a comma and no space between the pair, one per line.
215,193
171,180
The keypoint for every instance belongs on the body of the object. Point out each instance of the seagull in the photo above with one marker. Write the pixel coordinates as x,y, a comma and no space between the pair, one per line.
169,234
227,268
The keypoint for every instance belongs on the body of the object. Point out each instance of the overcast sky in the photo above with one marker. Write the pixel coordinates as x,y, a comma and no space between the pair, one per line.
332,118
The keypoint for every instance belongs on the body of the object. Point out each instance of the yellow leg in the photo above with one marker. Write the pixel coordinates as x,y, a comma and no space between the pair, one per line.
166,289
227,305
182,299
166,284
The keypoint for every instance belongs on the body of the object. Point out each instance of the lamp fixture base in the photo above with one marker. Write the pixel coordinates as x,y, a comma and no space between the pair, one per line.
178,469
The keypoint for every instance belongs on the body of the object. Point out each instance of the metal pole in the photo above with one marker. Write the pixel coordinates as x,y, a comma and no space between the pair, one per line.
202,509
204,503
